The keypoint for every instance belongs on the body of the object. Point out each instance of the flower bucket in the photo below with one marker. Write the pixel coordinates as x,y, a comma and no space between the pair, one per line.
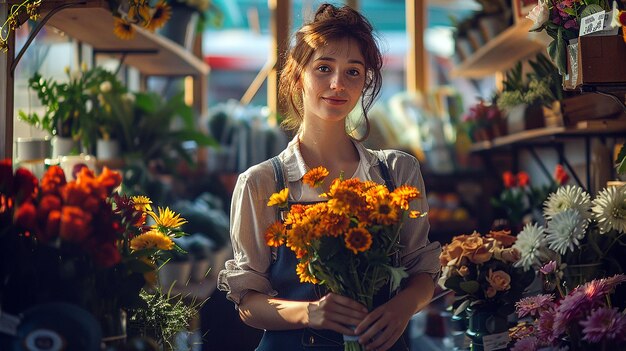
487,329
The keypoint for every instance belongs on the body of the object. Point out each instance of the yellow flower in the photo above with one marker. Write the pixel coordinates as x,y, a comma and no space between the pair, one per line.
122,29
275,234
315,177
384,212
415,214
152,239
162,13
302,269
280,198
167,219
358,240
142,203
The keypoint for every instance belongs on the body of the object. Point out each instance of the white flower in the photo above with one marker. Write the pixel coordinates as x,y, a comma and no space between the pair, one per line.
539,15
566,230
566,197
610,209
531,243
106,86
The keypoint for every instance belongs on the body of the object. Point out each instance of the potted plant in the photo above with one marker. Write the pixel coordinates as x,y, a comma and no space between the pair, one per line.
189,17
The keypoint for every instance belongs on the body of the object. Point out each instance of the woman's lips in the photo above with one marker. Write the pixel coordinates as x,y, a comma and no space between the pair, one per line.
334,101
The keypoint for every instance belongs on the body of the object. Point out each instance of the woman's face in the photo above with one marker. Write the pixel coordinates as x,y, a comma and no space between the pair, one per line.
333,81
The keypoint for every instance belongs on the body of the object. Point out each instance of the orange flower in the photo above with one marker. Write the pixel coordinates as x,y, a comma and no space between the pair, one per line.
358,240
50,227
523,179
109,179
153,239
123,29
509,179
25,216
415,214
403,194
384,212
162,13
106,255
47,204
53,180
335,224
275,234
499,280
25,185
503,236
315,177
560,176
75,224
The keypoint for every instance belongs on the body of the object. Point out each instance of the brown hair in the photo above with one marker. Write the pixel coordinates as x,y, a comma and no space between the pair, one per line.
329,24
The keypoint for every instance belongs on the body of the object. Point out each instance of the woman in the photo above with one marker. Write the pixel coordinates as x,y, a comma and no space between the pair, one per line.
334,64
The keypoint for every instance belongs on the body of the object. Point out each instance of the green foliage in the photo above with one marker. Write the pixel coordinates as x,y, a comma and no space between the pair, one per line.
540,86
621,160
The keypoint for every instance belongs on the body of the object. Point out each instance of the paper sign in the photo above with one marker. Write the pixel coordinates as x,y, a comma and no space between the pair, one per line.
496,341
592,23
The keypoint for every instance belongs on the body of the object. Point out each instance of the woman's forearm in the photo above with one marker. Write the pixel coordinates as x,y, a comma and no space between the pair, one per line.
263,312
417,292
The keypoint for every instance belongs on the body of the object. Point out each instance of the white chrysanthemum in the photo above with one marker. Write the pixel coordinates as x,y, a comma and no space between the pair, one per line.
569,196
531,243
565,231
610,209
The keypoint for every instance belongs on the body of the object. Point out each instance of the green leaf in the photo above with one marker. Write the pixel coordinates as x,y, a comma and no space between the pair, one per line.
561,53
396,274
590,10
471,287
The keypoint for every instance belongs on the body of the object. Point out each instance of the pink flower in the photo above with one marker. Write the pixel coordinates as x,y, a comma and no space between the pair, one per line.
545,325
533,305
548,268
526,344
604,324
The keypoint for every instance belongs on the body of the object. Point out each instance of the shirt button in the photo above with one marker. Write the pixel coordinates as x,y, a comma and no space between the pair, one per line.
311,340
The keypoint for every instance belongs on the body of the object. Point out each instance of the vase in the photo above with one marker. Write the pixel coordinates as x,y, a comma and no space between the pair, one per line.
107,149
64,146
487,329
181,28
113,325
578,274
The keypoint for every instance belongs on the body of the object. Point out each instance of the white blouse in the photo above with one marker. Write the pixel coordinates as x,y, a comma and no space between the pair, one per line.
250,217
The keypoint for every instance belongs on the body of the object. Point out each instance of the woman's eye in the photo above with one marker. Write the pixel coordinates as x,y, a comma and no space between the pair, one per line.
354,72
323,69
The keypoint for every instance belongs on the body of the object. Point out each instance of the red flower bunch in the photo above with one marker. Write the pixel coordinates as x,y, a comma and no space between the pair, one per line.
77,212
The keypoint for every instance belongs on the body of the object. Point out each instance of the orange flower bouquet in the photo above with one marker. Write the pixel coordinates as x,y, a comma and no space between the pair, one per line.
347,243
78,241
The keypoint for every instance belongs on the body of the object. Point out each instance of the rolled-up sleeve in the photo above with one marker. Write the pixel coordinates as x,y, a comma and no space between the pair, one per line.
418,254
249,216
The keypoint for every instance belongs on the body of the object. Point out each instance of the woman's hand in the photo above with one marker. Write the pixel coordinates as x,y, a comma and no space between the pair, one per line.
337,313
384,325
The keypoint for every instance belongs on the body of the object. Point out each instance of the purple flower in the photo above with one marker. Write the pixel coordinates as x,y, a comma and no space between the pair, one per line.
545,325
548,268
604,324
533,305
528,343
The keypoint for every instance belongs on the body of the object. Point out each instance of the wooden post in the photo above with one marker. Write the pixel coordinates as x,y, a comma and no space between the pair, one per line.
353,3
280,13
6,89
417,60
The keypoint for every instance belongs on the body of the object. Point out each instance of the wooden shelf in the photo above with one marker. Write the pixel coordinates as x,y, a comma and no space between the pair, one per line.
91,22
582,129
501,52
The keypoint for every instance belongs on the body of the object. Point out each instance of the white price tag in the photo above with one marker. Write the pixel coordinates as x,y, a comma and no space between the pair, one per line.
592,23
496,341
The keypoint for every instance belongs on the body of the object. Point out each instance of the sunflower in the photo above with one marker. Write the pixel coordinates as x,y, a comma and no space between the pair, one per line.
152,239
358,240
123,29
315,177
142,203
160,15
275,234
167,219
280,198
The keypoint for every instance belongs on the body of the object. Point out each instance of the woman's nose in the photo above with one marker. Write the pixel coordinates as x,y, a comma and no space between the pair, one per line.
336,82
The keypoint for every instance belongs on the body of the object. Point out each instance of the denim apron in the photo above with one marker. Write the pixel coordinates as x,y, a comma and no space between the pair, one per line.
283,277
